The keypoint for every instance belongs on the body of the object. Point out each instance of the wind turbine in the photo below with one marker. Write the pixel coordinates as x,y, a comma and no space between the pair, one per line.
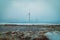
29,15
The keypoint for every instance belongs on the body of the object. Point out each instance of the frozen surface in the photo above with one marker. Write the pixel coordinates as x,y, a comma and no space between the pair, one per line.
53,35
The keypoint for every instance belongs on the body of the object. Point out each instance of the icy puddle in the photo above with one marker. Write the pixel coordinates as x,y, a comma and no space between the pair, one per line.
55,35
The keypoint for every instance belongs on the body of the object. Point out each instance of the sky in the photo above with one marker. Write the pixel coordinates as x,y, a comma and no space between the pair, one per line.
41,11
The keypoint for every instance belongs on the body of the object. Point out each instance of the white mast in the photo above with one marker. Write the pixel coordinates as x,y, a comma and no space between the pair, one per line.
29,16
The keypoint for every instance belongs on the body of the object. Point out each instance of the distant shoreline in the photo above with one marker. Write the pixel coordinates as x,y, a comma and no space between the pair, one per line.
29,23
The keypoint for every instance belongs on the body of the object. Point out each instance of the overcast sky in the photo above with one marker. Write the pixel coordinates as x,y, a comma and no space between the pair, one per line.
42,11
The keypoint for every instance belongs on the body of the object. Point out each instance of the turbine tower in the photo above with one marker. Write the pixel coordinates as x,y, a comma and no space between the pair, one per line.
29,16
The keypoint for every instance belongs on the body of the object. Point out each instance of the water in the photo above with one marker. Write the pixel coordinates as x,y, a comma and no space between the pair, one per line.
53,35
